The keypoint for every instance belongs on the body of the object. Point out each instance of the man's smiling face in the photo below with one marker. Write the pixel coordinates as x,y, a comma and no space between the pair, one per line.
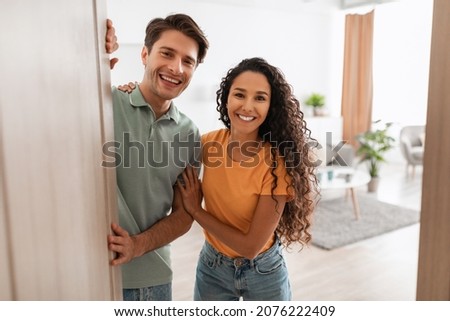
169,67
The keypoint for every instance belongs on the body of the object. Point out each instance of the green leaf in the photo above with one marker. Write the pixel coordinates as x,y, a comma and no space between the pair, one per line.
315,100
373,144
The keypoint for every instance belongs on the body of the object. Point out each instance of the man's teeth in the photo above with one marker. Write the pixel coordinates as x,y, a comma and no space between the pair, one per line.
173,81
246,118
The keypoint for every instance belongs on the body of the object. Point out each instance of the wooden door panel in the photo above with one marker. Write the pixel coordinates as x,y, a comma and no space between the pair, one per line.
53,127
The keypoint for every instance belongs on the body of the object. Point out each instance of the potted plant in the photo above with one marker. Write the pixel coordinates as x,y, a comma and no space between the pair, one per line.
316,101
373,144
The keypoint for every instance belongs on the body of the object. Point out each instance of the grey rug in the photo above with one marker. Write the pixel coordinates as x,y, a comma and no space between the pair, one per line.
334,223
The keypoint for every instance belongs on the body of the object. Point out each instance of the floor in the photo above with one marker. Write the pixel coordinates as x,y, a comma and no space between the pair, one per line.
383,268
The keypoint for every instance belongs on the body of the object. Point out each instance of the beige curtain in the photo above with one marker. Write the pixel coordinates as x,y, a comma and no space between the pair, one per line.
357,88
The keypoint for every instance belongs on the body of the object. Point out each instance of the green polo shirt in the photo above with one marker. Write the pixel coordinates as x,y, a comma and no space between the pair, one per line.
150,155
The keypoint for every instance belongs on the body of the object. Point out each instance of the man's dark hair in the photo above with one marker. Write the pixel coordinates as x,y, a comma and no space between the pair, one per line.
182,23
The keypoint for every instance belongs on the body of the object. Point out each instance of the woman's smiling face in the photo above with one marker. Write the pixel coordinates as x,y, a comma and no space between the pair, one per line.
248,103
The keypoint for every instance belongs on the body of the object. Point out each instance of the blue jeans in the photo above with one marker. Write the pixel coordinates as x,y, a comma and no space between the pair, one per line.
220,278
152,293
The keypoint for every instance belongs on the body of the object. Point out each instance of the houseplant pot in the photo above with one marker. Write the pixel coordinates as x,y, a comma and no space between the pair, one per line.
317,102
373,144
372,186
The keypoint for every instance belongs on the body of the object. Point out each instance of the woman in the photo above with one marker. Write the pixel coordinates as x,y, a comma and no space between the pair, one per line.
258,186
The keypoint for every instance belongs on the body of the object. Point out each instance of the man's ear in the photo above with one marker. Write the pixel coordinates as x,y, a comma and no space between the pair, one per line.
144,55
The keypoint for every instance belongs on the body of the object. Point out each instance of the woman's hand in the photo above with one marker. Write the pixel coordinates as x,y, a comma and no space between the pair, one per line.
191,191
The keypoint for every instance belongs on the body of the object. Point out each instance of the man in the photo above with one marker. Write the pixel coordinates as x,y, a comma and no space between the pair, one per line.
154,143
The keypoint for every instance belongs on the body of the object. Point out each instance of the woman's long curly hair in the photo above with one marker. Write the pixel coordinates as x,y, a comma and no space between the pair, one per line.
286,131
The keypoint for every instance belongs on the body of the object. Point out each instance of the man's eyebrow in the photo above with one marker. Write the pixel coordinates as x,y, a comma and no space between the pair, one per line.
173,50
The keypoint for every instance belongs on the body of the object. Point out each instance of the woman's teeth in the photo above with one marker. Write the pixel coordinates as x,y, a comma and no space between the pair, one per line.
246,118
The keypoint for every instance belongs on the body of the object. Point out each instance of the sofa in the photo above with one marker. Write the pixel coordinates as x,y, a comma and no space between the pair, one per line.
412,144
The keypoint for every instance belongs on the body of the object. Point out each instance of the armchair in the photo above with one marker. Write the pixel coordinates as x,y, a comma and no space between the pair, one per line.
412,146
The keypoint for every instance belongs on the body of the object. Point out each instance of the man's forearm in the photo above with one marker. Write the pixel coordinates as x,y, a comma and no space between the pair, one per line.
163,232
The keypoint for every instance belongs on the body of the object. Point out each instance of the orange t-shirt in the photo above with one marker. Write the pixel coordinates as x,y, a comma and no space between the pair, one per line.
231,189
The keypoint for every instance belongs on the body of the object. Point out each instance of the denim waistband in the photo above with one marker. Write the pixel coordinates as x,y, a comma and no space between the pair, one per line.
211,252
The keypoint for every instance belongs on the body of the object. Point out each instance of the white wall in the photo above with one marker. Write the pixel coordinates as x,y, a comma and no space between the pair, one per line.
302,38
297,39
402,42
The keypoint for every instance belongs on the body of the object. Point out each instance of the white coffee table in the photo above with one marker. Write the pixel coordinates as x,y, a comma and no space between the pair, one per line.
343,177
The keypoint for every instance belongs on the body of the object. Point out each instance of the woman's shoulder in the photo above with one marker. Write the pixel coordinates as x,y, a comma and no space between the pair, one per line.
273,158
219,135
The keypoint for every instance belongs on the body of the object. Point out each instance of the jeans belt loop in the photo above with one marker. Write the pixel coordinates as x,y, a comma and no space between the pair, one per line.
218,259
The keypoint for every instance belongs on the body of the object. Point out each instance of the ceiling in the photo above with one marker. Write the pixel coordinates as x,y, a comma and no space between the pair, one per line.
347,4
330,4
